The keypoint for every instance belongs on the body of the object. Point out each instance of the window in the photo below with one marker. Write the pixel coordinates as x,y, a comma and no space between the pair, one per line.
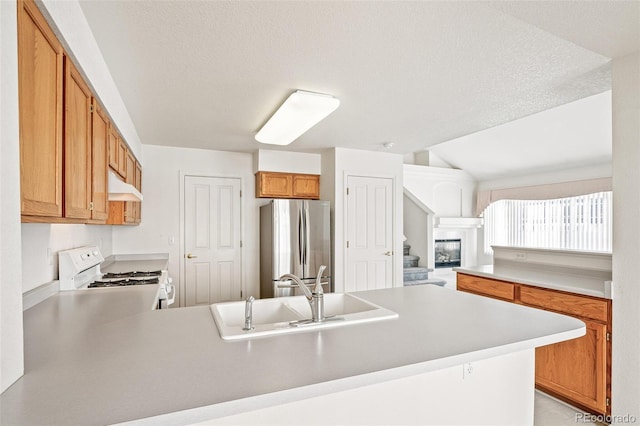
575,223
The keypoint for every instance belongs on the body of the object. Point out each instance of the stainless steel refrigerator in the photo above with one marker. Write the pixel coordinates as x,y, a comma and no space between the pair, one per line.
295,238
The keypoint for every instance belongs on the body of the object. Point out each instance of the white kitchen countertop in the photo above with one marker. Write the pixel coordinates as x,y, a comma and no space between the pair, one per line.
540,276
101,357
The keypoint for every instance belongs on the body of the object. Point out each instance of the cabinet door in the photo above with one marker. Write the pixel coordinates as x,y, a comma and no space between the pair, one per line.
114,149
40,76
306,186
129,207
486,287
122,157
77,145
273,185
138,184
99,138
576,369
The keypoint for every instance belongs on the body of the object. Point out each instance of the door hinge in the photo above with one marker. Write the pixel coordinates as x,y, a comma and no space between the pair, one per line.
608,402
241,193
347,244
347,190
240,243
608,336
90,108
91,205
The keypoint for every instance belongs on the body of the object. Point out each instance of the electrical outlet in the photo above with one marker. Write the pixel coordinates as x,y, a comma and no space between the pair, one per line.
467,370
521,256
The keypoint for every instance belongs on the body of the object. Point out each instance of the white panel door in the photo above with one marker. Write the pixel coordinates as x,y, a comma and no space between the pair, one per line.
369,230
212,240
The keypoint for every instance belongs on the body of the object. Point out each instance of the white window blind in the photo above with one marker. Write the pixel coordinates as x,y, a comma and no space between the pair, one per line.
574,223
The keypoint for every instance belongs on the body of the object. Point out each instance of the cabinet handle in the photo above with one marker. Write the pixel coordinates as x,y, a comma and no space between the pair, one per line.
191,256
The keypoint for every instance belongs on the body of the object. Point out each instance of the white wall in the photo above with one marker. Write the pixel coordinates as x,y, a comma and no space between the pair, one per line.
287,162
626,236
41,243
447,192
364,163
11,342
161,206
565,175
416,228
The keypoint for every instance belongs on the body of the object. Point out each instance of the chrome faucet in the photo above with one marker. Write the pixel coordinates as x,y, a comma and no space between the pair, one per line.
248,313
315,297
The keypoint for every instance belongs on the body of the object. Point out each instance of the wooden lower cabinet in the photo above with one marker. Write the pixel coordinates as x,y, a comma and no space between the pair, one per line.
577,371
486,287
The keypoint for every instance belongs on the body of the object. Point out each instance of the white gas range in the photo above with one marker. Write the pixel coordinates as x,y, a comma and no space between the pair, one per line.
85,268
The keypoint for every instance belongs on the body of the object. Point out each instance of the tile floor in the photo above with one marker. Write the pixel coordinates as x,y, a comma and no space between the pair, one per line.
551,412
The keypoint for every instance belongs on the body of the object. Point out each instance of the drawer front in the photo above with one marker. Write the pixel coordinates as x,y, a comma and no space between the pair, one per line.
486,287
586,307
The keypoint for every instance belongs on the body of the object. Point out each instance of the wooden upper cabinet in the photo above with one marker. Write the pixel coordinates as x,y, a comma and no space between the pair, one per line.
137,215
77,145
130,206
287,185
123,153
114,149
306,186
117,153
99,150
40,77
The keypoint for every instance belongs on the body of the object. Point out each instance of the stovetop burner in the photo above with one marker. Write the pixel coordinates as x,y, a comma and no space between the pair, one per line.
131,274
124,282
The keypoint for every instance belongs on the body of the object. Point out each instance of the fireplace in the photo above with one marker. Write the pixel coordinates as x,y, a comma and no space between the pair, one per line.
447,253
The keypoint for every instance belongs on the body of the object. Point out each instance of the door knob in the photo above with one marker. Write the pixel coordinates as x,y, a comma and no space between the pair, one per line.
191,256
389,253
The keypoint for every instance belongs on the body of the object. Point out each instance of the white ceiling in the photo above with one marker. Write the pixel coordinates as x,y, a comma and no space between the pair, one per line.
208,74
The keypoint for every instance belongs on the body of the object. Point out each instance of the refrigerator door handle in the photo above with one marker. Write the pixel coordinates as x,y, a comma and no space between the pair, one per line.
305,213
300,237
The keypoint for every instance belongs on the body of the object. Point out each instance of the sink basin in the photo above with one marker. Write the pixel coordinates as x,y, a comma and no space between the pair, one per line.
283,315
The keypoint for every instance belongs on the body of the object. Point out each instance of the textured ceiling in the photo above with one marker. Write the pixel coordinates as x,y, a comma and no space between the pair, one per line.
208,74
573,135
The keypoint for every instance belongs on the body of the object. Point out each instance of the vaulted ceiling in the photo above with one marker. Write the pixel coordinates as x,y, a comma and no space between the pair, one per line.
208,74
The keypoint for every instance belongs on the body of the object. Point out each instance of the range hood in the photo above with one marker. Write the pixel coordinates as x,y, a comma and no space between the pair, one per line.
120,191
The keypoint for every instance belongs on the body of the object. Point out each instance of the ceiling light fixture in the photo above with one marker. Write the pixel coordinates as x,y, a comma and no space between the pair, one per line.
388,145
301,111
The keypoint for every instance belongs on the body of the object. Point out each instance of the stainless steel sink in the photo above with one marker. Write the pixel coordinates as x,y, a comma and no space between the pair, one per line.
285,314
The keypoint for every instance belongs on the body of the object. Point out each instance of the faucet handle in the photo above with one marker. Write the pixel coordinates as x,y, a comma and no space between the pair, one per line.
318,287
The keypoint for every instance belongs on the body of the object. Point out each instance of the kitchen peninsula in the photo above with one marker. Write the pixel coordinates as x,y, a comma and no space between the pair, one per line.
104,361
569,282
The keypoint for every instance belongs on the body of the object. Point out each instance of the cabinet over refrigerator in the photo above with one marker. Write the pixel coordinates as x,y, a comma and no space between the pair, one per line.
295,238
